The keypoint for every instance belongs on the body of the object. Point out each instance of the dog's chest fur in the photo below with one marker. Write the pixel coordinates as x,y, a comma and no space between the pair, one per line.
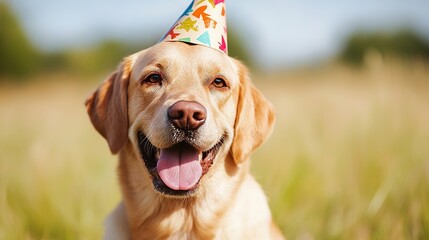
153,216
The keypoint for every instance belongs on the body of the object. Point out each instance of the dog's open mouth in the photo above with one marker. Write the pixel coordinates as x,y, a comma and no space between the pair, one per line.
176,170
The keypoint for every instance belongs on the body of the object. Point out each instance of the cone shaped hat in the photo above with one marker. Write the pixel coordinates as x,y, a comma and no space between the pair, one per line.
203,23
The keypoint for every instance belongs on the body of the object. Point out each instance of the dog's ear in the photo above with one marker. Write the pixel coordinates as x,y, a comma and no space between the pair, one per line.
107,107
254,118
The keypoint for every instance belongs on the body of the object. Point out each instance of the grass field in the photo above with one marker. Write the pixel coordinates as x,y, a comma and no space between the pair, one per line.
349,157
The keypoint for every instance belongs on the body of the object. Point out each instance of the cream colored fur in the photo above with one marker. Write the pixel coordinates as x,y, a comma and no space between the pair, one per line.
228,204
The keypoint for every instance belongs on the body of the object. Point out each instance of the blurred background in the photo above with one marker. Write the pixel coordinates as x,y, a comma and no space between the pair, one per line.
348,159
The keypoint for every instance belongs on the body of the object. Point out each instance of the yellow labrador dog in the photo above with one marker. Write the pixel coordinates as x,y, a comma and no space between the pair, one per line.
184,119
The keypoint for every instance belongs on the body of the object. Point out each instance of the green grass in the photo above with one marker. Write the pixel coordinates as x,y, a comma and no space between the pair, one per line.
348,159
57,178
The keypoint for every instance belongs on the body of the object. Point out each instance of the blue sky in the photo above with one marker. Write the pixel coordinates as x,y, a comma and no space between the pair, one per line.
278,32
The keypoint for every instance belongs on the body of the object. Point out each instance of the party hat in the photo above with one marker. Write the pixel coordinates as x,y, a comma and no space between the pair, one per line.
203,23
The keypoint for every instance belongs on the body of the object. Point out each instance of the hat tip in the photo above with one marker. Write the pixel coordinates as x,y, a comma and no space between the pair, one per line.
202,23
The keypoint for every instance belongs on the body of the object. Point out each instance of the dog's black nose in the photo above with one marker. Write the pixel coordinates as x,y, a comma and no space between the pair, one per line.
187,115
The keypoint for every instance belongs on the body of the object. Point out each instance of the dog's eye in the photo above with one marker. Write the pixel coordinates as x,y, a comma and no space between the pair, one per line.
153,79
219,83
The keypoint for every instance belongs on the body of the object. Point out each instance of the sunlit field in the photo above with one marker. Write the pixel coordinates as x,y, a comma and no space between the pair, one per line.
348,159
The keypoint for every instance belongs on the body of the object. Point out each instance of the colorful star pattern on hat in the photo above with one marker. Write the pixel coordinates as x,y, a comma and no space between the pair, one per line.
188,24
203,23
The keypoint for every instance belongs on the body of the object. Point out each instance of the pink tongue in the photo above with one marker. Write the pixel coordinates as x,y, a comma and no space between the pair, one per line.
179,167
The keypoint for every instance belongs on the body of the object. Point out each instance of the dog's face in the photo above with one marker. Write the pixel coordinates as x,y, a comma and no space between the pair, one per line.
181,108
184,109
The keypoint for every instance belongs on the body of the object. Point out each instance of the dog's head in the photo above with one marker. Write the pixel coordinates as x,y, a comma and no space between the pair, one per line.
183,109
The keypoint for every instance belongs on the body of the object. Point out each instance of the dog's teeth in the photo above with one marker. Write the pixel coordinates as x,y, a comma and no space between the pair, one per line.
157,153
